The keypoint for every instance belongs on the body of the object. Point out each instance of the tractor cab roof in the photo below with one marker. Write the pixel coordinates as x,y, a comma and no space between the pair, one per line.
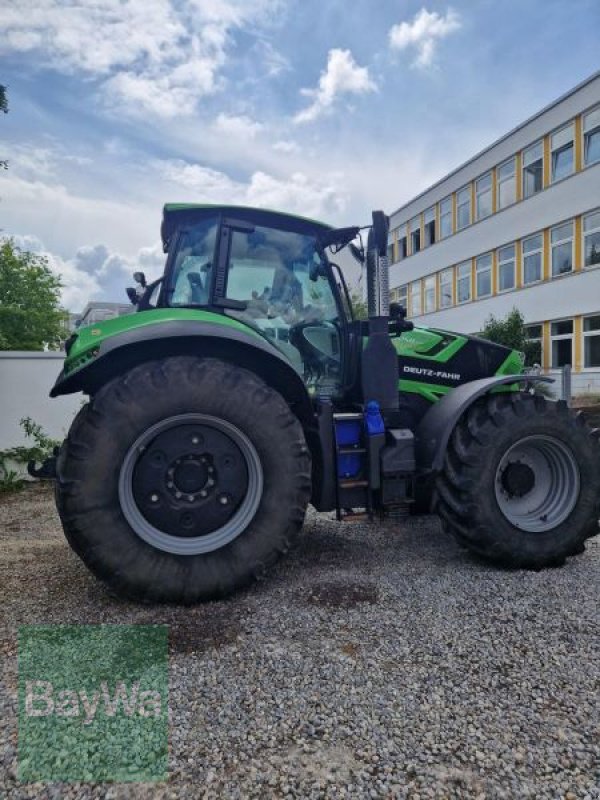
176,215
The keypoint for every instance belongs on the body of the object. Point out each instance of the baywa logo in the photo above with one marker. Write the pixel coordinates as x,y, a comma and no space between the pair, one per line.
93,702
424,372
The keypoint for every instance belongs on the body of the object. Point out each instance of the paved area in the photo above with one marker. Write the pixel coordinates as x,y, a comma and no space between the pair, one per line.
375,661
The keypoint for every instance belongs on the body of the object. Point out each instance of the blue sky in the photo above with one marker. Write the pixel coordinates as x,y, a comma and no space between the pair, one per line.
326,108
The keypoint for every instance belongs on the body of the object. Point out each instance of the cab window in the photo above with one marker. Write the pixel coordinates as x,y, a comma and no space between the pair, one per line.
191,274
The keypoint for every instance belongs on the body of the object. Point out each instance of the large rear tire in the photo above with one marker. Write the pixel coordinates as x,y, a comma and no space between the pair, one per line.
183,480
521,481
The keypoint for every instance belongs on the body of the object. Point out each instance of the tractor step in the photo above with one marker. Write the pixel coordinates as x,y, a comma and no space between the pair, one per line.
350,483
352,465
353,516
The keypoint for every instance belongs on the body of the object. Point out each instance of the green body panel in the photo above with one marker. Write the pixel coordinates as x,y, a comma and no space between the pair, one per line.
437,346
91,336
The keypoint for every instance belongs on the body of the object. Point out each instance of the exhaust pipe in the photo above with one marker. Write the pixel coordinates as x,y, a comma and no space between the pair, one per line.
378,268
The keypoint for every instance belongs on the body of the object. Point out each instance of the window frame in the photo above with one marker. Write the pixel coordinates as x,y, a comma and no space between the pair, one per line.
500,261
524,166
479,193
448,271
468,191
539,250
558,244
468,277
429,279
448,214
562,337
415,230
500,181
429,221
569,145
585,234
482,271
420,295
539,338
587,335
585,133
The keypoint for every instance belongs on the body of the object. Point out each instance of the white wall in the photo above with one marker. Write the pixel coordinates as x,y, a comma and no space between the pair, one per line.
25,381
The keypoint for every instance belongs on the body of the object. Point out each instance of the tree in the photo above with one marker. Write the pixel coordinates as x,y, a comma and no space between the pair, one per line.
30,314
4,108
511,332
359,304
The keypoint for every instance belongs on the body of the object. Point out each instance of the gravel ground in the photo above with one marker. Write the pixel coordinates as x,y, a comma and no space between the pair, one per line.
375,661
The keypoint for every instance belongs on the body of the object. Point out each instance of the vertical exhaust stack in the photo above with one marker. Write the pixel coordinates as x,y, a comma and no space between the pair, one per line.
378,268
379,363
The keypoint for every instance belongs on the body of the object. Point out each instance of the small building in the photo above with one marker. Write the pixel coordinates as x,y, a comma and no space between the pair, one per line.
99,311
516,226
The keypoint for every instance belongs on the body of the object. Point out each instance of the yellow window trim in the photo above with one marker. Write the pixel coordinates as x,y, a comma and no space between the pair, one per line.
473,201
546,162
546,345
494,191
454,212
494,273
578,144
518,265
518,178
546,255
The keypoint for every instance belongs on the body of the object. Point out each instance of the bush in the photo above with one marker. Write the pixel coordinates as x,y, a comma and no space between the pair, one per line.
42,447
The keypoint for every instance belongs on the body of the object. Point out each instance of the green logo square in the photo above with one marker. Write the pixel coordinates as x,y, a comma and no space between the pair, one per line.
93,702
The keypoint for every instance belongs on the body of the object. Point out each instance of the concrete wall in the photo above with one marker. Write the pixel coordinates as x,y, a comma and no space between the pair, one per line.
25,381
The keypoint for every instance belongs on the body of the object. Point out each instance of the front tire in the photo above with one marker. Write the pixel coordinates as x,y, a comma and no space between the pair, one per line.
183,480
521,481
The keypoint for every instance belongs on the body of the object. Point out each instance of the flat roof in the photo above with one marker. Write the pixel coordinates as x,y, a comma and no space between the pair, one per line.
503,138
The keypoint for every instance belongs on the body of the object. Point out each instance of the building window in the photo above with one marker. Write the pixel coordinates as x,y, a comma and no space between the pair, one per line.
429,217
561,337
483,196
415,235
591,339
415,298
534,337
562,249
390,250
463,208
463,282
532,259
445,217
591,239
402,243
429,293
483,270
446,288
506,268
533,169
507,184
561,146
591,137
402,296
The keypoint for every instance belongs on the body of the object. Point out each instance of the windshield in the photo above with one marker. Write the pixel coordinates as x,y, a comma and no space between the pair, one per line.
282,280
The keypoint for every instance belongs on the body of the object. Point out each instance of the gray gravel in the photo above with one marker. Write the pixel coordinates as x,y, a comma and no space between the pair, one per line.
375,661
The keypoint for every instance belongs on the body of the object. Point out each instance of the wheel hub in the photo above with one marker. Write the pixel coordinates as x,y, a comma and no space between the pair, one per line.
191,478
518,479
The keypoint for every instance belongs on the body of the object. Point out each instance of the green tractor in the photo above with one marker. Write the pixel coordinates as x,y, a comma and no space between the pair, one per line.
243,389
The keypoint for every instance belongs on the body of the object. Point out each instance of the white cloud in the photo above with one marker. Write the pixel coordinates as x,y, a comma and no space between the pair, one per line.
158,55
341,76
239,127
296,193
423,33
286,146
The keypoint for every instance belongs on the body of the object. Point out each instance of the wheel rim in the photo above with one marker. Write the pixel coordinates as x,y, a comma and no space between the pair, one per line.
537,483
190,484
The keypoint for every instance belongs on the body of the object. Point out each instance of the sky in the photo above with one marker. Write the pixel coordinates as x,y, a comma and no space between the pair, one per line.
325,108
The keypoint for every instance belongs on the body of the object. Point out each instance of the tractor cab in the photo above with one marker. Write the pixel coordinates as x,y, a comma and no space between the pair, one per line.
269,271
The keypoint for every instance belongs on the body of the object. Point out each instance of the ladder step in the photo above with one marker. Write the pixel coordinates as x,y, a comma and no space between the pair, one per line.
351,483
354,516
347,451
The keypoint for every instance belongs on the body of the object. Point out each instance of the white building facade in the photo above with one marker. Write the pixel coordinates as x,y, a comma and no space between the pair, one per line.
517,226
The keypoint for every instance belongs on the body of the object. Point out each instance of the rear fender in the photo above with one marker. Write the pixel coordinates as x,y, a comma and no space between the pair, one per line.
435,428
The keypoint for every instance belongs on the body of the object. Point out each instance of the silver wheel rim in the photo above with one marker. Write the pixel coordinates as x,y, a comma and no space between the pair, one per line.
196,545
555,490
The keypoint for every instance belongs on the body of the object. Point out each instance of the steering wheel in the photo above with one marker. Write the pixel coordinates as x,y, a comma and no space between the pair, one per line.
316,362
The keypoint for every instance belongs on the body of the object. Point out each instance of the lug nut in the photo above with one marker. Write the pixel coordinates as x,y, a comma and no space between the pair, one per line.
210,482
178,495
203,493
154,498
170,484
223,499
195,440
191,498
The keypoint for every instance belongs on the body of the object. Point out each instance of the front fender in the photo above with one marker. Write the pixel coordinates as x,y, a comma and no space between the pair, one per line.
436,426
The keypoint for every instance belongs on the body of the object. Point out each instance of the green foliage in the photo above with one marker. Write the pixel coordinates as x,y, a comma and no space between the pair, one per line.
359,304
42,446
30,315
511,332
